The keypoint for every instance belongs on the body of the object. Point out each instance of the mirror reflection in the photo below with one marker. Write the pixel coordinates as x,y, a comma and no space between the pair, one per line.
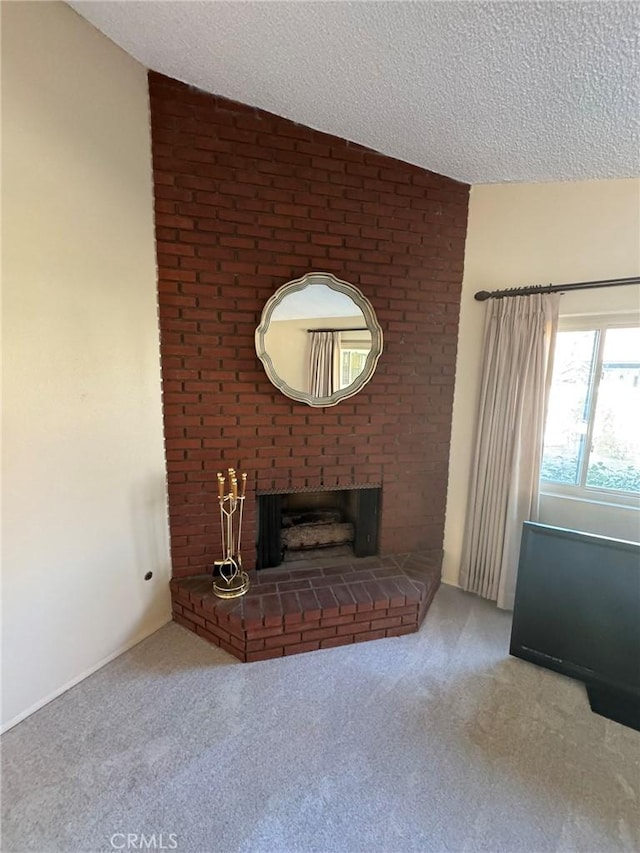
319,339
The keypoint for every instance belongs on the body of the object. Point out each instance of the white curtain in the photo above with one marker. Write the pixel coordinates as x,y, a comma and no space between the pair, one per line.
518,346
323,356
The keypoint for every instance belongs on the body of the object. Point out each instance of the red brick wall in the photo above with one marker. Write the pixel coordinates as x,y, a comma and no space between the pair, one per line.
246,201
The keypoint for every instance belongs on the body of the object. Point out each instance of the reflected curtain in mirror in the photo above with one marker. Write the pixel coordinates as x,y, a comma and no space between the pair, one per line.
323,363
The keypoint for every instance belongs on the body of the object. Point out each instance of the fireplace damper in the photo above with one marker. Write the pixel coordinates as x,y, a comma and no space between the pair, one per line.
324,518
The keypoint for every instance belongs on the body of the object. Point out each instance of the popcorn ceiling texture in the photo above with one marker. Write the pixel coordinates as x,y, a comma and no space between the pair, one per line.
481,92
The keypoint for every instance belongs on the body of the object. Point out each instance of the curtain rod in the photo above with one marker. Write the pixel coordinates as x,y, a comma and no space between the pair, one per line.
355,329
483,295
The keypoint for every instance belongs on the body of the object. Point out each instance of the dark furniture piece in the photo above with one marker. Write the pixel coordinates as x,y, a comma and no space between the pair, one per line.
577,611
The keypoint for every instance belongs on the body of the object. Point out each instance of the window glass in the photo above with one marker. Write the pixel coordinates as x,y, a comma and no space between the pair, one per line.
568,412
592,434
352,365
614,461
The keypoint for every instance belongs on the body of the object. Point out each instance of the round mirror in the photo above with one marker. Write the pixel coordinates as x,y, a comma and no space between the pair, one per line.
319,339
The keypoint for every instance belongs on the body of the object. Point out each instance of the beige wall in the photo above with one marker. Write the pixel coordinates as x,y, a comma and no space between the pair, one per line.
84,510
286,342
533,234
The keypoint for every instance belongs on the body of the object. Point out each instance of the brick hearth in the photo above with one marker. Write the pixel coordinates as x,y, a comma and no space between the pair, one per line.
333,603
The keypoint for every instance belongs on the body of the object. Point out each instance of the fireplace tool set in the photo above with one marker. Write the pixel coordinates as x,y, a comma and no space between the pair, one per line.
232,581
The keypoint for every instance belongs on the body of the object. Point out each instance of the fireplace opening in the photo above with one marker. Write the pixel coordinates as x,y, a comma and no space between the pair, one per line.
312,521
306,522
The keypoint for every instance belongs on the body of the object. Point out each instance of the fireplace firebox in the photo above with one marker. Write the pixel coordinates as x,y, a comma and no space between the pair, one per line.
313,520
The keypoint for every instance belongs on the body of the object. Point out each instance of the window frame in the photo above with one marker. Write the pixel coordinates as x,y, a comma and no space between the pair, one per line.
581,491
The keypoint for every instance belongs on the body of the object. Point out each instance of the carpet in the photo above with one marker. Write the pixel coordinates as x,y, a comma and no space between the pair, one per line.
436,741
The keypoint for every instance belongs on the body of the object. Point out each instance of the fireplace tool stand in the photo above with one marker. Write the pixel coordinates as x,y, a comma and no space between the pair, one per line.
232,581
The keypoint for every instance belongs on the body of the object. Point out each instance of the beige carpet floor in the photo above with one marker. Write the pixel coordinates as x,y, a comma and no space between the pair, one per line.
438,741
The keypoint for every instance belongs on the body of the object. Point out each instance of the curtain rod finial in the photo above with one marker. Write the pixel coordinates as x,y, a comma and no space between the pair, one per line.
482,295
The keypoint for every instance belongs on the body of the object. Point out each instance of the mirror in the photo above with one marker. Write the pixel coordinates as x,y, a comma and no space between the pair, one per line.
319,339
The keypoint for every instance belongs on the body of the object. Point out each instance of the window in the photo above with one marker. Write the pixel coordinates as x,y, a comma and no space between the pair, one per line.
351,364
592,435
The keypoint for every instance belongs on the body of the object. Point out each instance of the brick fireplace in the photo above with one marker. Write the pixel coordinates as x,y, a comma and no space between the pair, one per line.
244,202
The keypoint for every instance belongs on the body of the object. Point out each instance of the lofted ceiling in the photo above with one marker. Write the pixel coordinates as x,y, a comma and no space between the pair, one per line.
480,91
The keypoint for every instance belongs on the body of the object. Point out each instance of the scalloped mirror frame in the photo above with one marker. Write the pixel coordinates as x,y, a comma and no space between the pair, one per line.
371,323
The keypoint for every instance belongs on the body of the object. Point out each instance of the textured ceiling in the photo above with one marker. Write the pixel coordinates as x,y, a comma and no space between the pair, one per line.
482,92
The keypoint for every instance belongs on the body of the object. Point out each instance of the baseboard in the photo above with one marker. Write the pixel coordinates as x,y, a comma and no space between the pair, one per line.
85,674
448,582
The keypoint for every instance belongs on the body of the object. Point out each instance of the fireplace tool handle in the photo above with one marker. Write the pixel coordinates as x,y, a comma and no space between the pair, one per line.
232,581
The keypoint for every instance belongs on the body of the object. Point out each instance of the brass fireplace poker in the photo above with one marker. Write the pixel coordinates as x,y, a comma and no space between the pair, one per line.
232,581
